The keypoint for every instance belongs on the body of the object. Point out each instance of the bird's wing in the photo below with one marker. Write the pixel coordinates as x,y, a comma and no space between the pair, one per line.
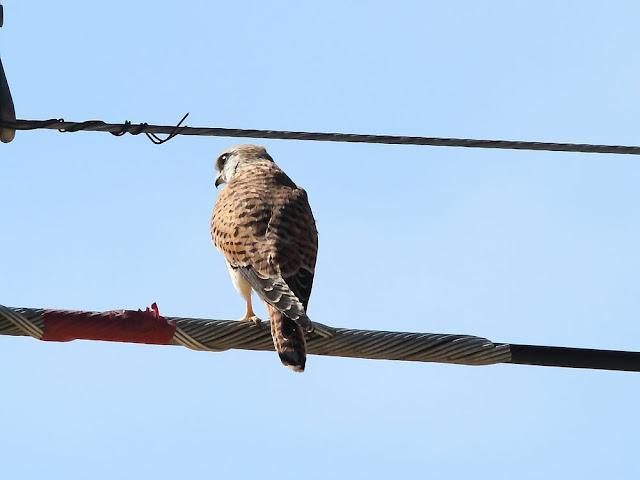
292,230
276,292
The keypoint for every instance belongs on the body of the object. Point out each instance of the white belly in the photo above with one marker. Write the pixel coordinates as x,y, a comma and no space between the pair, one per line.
242,286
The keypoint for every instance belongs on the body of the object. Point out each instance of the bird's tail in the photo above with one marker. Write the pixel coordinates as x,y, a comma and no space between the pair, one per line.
288,338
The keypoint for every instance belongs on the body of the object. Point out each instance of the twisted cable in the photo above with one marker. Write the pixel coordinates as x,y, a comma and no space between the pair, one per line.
220,335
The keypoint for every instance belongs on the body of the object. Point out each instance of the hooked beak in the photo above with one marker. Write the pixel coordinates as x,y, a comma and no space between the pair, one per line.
219,181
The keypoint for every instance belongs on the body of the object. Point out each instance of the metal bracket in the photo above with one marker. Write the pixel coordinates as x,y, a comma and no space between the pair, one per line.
7,110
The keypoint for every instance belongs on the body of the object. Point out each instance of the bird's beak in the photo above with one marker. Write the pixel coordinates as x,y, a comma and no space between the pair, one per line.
219,181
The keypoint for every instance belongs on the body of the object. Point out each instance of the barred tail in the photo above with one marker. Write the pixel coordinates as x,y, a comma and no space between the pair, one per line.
288,338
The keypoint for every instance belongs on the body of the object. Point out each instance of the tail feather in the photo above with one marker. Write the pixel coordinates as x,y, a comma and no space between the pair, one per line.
288,339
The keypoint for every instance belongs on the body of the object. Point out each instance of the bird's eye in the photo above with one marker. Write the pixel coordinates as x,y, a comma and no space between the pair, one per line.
221,161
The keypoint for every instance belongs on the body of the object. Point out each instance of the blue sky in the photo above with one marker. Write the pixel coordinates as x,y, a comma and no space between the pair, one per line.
522,247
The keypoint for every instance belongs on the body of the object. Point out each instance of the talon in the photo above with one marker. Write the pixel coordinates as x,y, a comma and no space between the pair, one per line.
257,321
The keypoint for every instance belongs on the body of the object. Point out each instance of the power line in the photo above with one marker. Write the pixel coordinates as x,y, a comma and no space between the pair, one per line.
575,357
9,124
152,130
219,335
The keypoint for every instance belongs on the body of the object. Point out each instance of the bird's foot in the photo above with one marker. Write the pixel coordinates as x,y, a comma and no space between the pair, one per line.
257,321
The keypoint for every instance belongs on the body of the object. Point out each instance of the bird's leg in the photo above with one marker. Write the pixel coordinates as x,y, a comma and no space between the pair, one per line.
249,313
244,289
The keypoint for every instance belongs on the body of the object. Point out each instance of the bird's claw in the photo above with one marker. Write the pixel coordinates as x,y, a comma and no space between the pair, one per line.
257,321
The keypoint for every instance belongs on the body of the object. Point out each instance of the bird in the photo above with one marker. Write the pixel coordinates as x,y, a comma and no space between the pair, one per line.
263,225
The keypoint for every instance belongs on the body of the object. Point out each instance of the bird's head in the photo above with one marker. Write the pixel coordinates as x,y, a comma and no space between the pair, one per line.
235,158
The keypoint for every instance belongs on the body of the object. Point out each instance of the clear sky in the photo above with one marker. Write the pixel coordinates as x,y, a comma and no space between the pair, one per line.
522,247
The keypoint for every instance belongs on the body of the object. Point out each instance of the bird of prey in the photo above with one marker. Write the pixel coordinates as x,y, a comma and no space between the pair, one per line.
263,226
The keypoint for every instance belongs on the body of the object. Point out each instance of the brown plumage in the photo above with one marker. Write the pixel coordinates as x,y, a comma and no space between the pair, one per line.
263,225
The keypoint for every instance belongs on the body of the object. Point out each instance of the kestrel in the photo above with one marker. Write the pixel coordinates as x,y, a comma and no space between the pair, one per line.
263,226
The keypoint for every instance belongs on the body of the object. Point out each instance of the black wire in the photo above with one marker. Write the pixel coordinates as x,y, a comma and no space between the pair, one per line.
176,131
575,357
173,131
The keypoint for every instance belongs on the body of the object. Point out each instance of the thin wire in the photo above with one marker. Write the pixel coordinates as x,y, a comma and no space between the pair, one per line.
119,129
176,131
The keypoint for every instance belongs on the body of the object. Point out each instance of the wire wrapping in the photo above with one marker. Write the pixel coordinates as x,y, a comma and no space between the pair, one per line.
119,129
